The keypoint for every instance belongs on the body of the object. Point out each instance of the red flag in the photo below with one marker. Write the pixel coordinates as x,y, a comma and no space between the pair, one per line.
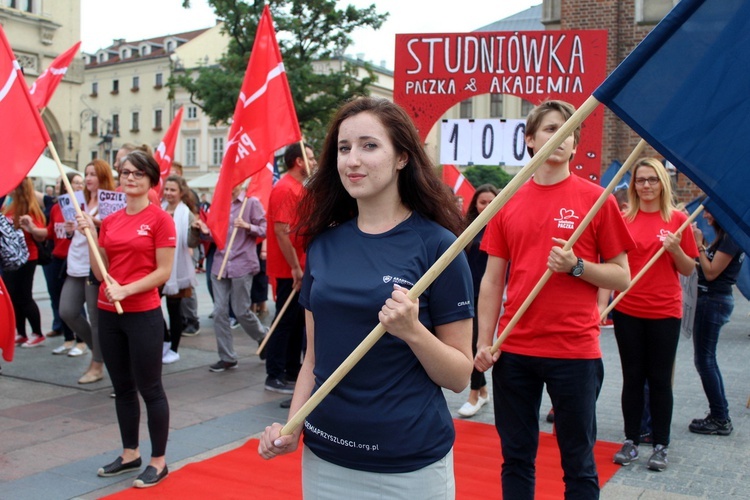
261,184
264,121
7,323
21,127
44,86
164,153
459,184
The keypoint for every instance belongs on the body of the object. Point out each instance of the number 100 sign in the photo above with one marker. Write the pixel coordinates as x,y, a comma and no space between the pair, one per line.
483,142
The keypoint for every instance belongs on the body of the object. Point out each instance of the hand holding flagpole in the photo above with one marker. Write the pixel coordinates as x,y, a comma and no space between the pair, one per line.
650,263
634,155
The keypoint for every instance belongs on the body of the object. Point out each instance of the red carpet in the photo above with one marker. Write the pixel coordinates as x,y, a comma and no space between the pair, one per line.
242,474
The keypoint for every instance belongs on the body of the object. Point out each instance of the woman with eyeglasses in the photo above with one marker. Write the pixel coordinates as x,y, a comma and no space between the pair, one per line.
647,319
719,266
80,285
136,245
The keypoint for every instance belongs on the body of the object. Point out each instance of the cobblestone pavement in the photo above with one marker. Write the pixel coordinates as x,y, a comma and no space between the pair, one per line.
54,433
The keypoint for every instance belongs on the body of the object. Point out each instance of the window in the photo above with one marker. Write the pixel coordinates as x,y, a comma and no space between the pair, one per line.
134,122
115,86
116,124
159,81
136,84
124,54
94,155
191,149
652,11
94,89
551,11
192,112
465,111
94,125
496,105
100,57
170,46
217,150
526,107
157,119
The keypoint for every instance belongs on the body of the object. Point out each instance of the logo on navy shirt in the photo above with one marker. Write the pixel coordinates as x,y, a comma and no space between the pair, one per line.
143,230
399,281
565,221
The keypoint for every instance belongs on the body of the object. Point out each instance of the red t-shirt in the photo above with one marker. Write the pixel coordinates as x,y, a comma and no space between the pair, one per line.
56,232
283,207
30,242
563,321
658,293
131,242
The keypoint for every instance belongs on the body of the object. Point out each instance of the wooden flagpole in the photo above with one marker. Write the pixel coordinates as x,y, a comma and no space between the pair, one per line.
92,244
650,263
439,266
276,322
231,242
304,156
634,155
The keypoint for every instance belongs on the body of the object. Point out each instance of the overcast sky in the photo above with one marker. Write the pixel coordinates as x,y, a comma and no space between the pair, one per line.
104,20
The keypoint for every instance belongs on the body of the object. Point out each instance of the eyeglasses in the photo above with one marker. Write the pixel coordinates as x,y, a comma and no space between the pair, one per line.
136,174
652,181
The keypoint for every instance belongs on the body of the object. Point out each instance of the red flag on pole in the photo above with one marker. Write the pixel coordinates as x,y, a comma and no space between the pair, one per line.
264,121
44,86
164,153
21,127
7,323
261,184
459,184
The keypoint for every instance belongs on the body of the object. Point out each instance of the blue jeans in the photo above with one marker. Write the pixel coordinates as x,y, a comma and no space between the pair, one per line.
573,386
711,313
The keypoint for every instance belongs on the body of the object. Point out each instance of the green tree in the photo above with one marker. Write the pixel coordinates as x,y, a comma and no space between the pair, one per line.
487,174
307,31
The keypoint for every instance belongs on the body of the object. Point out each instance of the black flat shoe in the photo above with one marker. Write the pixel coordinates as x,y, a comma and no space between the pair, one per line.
149,477
117,467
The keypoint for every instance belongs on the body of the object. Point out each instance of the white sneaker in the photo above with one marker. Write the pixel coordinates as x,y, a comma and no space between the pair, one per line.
165,348
76,351
63,349
170,357
469,410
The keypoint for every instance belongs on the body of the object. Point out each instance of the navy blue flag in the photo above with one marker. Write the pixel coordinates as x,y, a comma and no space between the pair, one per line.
686,90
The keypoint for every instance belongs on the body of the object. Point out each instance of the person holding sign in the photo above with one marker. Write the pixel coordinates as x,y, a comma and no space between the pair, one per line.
81,287
377,217
137,247
556,342
647,318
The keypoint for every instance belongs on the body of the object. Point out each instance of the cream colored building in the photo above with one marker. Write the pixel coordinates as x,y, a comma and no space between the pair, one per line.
38,32
126,97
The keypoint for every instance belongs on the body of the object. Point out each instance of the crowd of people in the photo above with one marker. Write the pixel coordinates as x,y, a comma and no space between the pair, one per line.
342,241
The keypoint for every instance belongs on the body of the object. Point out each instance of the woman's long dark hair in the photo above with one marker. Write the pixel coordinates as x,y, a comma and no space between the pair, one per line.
472,213
326,202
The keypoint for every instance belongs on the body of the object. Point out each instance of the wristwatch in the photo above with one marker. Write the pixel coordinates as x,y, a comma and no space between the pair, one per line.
577,270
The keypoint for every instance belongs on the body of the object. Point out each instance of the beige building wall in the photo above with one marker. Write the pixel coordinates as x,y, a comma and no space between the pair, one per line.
39,31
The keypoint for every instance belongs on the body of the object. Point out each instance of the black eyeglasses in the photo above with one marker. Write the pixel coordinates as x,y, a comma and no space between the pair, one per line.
136,174
652,181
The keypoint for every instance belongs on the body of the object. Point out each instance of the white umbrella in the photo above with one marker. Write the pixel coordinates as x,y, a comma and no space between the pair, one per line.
45,167
207,181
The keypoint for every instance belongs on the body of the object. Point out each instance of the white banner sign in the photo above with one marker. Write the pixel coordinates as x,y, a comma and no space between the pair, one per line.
483,142
67,207
110,202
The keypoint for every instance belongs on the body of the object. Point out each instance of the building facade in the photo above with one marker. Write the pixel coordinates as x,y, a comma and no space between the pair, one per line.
39,31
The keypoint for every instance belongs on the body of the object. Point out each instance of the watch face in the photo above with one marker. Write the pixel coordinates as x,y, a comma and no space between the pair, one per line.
578,268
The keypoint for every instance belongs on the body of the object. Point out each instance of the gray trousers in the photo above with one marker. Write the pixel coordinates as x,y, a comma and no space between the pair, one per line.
74,293
189,310
236,290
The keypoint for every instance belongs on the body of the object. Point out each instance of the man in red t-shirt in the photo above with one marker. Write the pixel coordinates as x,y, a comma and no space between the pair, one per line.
286,265
556,342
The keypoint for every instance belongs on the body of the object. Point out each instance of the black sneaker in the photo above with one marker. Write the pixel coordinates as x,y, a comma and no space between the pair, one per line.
221,366
117,467
276,385
711,425
149,477
627,454
191,330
